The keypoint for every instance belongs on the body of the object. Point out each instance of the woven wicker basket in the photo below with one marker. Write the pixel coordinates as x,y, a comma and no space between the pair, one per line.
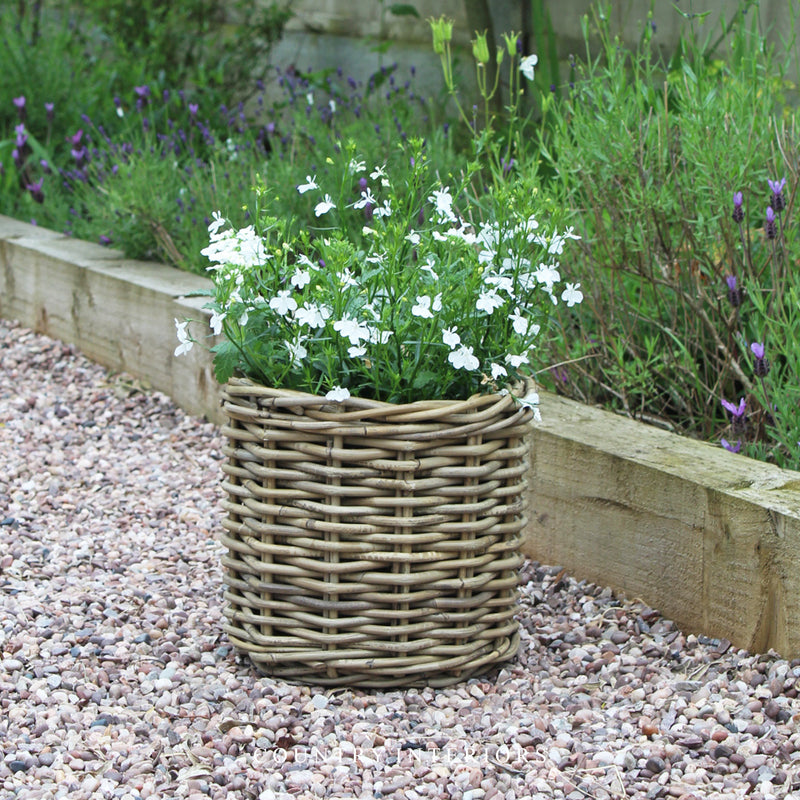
372,544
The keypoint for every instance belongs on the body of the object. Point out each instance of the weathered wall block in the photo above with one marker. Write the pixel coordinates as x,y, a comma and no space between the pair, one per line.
710,539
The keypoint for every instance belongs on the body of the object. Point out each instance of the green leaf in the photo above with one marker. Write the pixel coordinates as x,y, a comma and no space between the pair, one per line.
403,10
226,359
425,378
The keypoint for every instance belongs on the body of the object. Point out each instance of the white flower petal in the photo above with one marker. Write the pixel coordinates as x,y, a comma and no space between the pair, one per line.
338,394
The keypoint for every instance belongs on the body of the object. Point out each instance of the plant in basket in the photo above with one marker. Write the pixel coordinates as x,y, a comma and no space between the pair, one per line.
373,353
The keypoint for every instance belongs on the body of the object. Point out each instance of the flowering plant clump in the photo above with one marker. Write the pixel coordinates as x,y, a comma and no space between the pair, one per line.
396,287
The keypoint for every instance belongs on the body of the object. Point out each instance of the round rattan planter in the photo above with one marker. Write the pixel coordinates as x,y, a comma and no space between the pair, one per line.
372,544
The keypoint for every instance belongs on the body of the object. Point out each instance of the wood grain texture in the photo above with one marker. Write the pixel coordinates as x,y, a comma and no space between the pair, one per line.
118,312
708,538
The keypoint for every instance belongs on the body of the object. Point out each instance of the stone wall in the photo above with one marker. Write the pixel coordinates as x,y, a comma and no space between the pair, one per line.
343,33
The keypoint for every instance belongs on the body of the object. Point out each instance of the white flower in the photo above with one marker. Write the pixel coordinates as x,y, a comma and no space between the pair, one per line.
283,302
556,246
443,200
463,359
498,371
352,329
305,261
366,197
338,394
489,301
489,235
324,206
531,400
437,302
569,233
312,315
383,211
310,98
547,274
518,322
529,226
332,106
346,278
296,350
378,172
464,233
217,223
428,267
451,338
245,315
413,238
216,322
354,167
572,294
379,337
186,343
311,183
500,282
356,350
243,248
301,278
378,258
423,307
517,361
527,64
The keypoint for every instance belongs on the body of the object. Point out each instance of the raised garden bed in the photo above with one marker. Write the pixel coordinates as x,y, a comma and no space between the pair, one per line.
709,539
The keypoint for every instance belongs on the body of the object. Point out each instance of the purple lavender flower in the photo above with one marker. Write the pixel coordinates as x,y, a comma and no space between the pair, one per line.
778,203
50,109
734,293
738,212
19,104
75,139
193,109
770,229
732,448
736,412
761,364
36,191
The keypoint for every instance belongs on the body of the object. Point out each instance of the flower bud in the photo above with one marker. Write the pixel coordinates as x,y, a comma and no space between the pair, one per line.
511,43
442,30
738,213
734,292
480,48
760,364
770,228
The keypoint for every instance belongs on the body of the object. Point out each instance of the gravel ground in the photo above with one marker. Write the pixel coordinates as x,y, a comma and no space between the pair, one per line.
116,680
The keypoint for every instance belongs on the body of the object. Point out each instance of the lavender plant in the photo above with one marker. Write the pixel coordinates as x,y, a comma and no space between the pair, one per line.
763,294
146,179
648,155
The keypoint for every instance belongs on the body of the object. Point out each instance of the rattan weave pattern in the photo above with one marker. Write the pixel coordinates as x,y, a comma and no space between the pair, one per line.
372,544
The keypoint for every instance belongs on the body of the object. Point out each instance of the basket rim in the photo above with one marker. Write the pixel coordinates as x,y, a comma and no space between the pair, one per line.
358,408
